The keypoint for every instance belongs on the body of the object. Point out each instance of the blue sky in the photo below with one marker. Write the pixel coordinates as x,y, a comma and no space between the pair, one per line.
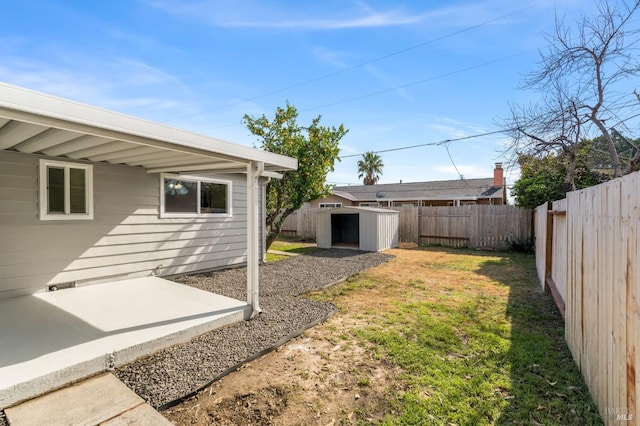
395,74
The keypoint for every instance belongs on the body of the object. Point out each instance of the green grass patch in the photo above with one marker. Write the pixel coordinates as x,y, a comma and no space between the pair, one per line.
293,247
272,257
486,349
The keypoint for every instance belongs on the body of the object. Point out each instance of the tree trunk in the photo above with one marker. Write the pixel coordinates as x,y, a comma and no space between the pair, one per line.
569,181
275,227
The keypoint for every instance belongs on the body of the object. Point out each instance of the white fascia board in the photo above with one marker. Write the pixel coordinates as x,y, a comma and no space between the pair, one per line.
273,175
44,109
464,198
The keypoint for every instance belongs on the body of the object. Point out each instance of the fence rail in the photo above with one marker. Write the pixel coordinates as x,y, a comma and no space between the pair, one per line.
460,226
591,262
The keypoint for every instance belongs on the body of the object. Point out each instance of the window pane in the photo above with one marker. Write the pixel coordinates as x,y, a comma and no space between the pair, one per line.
78,190
180,196
213,198
55,190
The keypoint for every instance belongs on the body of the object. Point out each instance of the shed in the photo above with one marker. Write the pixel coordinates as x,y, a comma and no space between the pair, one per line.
365,228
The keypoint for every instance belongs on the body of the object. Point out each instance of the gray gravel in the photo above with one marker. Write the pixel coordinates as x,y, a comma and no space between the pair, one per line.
176,372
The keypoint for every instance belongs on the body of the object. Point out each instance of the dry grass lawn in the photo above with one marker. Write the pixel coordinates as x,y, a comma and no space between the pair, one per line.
435,336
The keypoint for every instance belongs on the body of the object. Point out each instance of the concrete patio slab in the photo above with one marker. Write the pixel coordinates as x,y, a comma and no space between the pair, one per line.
54,338
99,400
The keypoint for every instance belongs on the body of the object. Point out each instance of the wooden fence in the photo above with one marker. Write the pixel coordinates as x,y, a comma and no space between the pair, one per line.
592,237
460,226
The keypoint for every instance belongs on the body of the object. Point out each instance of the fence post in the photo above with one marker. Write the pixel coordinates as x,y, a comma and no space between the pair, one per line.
548,249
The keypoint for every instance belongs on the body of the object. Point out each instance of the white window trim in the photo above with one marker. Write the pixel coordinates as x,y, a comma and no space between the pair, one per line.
44,199
164,214
365,204
330,205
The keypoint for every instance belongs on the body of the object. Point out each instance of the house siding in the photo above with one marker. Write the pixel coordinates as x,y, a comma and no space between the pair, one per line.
330,199
127,238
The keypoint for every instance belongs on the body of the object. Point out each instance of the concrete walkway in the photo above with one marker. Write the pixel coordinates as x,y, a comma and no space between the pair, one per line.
101,400
51,339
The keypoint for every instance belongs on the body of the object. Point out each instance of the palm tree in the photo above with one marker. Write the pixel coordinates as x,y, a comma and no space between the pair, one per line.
370,167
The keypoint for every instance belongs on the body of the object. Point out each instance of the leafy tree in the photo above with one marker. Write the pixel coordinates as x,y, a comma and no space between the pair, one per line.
542,179
599,158
315,147
370,167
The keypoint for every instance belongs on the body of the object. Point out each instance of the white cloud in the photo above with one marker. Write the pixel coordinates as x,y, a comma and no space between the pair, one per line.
307,16
331,57
124,85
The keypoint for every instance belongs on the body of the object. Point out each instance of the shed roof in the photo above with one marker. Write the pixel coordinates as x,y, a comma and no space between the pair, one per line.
354,209
443,189
34,122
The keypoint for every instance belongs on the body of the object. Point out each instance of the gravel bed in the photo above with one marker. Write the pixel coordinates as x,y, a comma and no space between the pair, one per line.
176,372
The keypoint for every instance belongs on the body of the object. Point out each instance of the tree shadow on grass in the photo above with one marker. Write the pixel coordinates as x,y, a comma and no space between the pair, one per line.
546,385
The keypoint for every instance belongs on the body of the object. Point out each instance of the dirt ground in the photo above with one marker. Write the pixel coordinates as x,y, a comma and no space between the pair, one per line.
311,380
320,378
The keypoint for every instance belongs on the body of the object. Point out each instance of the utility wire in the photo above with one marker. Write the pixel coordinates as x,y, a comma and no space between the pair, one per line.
371,61
414,83
443,142
424,80
446,147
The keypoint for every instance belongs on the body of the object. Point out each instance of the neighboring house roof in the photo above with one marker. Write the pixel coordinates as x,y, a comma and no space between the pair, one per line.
33,122
344,195
433,190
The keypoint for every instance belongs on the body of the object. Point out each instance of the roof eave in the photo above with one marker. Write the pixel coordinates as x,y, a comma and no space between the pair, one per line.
42,109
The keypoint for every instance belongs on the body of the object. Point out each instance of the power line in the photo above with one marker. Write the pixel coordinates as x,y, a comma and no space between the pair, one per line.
443,142
371,61
379,92
425,80
446,147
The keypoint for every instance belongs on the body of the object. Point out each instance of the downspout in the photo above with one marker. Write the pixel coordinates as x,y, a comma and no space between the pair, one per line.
254,171
263,206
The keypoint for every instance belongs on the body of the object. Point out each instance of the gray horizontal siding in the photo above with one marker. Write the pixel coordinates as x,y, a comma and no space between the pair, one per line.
127,237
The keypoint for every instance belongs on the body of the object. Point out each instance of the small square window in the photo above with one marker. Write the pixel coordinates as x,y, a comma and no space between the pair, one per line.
66,190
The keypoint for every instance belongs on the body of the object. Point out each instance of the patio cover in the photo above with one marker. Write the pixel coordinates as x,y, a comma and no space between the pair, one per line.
38,123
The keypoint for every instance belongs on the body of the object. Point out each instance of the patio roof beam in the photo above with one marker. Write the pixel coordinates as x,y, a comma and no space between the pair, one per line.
17,131
46,139
226,166
68,147
100,147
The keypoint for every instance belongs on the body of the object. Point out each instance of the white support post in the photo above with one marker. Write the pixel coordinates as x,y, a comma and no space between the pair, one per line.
254,170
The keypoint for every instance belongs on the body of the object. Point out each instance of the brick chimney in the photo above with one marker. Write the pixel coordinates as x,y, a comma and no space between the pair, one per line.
498,175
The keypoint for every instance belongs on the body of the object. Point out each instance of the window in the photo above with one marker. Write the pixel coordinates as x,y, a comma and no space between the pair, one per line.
183,196
368,204
66,190
330,205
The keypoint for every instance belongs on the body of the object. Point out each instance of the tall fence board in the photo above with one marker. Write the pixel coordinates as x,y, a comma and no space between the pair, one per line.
447,226
558,271
456,226
541,241
408,227
594,264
